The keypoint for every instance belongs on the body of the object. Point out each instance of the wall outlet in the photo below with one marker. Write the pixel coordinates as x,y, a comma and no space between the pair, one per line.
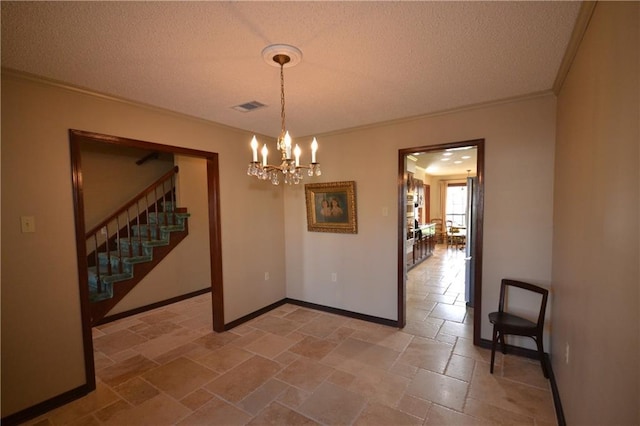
334,277
266,276
566,354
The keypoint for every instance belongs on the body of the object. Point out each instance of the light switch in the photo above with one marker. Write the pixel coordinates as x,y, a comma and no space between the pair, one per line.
28,224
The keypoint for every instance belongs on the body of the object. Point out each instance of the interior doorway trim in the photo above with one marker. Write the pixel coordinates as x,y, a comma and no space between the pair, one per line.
477,230
215,241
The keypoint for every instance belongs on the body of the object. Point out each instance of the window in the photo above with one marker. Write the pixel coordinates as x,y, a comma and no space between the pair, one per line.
457,203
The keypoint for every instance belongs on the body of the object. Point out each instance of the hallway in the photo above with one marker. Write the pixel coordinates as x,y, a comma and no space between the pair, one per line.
295,365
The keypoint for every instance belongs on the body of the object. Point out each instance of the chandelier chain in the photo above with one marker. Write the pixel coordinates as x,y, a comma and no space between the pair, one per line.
282,114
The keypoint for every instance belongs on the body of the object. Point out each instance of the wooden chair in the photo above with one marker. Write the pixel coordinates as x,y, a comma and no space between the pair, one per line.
505,323
451,234
439,231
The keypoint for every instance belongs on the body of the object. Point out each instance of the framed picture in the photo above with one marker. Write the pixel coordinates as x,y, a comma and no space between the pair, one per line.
331,207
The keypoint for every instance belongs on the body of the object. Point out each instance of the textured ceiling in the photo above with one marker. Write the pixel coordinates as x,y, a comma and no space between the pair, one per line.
363,62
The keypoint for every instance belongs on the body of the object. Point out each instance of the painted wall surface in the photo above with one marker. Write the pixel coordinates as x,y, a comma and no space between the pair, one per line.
596,216
42,354
519,138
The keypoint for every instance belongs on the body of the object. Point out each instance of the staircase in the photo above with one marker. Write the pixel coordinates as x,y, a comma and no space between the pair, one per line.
127,245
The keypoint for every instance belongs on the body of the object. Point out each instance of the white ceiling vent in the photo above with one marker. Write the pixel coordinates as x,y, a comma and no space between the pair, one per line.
249,106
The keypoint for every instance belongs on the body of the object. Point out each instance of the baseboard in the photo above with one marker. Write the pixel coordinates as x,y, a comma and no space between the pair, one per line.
155,305
252,315
45,406
314,306
343,312
530,353
556,394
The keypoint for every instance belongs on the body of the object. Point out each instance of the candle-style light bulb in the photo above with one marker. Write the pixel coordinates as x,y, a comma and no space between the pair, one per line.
314,148
265,151
297,151
254,148
287,144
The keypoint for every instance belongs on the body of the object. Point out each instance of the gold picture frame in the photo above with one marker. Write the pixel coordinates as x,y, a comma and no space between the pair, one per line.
331,207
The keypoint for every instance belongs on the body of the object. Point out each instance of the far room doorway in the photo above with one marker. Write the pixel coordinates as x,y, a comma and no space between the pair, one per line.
441,193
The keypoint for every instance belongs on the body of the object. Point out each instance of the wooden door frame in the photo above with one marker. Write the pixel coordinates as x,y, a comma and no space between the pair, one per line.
215,240
477,231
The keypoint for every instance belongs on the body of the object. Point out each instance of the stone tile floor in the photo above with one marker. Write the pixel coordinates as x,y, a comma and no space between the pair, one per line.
300,366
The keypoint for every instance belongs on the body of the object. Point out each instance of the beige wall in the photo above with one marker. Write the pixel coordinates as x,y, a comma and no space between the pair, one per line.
596,235
42,354
520,139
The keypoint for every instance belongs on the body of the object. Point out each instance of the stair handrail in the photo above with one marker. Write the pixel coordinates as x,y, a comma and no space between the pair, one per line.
133,201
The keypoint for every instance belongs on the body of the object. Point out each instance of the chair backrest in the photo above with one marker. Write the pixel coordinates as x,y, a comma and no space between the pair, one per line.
526,286
438,223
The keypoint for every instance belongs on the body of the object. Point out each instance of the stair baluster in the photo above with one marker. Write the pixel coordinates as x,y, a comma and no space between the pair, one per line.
156,207
164,205
107,242
118,244
129,233
173,198
146,200
97,260
139,233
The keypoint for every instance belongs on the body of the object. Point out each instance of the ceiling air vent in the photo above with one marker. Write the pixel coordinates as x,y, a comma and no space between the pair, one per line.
249,106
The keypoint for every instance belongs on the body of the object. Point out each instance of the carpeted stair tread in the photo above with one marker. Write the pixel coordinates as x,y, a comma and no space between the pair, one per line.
137,259
155,243
105,278
161,217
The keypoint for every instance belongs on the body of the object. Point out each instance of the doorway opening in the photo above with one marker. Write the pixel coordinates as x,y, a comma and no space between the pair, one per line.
76,139
471,229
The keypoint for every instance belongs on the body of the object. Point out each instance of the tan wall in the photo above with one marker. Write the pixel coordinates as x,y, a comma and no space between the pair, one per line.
42,354
596,235
520,139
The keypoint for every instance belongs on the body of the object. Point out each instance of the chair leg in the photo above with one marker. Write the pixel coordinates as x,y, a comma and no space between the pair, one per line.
502,344
493,347
541,355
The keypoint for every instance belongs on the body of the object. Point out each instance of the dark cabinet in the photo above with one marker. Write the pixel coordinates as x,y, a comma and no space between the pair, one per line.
424,242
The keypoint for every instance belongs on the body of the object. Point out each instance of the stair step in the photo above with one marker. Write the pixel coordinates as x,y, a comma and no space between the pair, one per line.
162,217
125,259
137,259
106,281
104,278
144,230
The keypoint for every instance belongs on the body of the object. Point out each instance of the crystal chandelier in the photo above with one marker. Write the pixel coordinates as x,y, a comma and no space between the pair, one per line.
290,168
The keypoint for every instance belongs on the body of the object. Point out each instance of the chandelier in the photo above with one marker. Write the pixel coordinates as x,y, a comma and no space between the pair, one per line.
289,168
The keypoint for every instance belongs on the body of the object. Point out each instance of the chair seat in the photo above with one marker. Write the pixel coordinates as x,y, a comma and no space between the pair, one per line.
510,321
